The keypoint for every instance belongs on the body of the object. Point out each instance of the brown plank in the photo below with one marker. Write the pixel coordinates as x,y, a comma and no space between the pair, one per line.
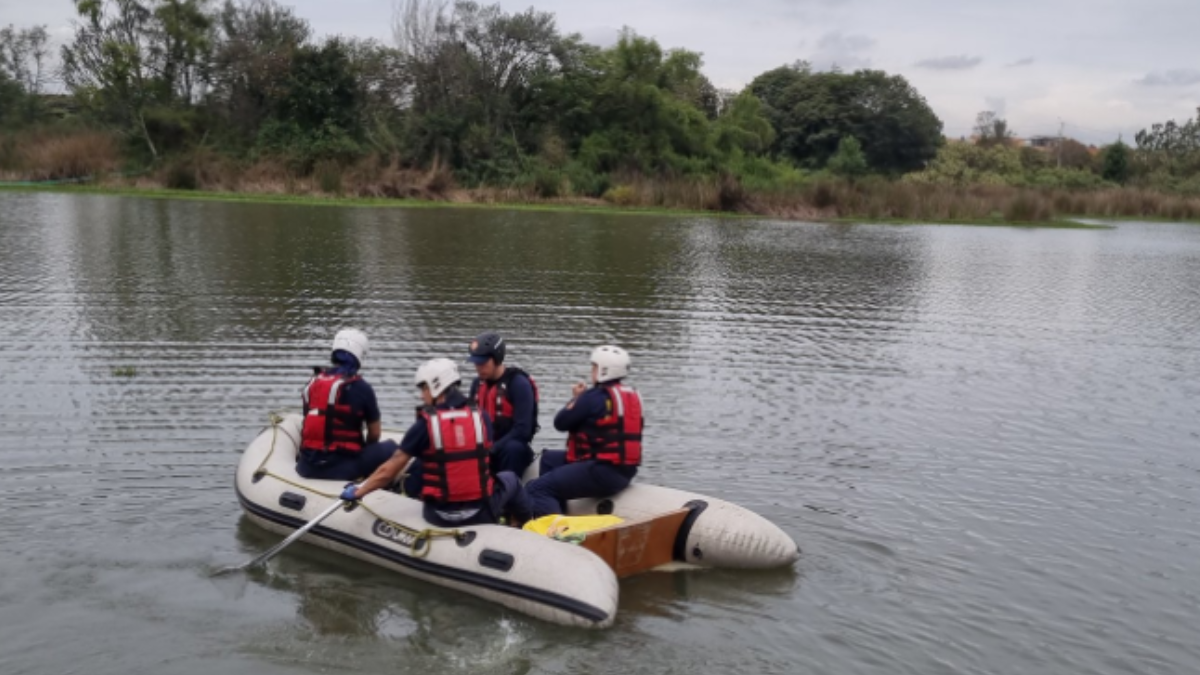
636,546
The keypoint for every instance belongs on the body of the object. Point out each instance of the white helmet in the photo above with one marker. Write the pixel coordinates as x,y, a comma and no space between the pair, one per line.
437,374
612,363
352,340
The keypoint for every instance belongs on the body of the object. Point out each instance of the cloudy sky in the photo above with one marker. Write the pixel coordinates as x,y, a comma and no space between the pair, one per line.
1101,67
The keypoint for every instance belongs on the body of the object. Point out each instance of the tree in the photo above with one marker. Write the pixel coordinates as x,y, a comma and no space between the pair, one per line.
966,164
1116,163
992,130
255,45
640,115
1074,155
315,107
23,55
23,72
743,127
848,161
811,113
1170,147
108,63
181,43
470,66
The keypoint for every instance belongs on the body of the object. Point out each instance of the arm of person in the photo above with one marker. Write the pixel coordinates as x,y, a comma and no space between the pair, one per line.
588,405
520,393
371,414
384,475
415,439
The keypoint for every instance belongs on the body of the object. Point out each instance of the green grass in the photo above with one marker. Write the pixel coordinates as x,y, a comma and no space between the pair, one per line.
1057,224
365,202
1141,219
124,371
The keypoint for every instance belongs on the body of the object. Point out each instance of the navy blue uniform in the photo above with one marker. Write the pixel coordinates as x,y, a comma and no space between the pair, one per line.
507,494
346,466
512,450
561,481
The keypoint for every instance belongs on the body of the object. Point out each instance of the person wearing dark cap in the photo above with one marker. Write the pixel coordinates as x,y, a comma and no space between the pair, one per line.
338,405
510,398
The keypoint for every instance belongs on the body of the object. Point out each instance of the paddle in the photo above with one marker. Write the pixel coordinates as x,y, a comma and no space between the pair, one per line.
274,550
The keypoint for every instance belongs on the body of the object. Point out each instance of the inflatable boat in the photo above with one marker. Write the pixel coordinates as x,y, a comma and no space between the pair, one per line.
574,585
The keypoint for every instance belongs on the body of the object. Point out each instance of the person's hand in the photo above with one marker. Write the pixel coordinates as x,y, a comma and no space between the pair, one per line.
349,494
577,389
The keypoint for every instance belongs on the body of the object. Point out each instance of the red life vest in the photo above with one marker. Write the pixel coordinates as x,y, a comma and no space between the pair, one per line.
329,424
615,438
455,466
492,398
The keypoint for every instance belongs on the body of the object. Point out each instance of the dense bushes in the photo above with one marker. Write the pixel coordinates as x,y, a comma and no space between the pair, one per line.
474,102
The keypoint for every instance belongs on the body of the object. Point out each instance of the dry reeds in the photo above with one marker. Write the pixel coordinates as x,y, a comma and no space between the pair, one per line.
49,156
42,155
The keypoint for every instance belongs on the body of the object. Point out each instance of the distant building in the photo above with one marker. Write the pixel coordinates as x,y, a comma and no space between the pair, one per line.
1043,142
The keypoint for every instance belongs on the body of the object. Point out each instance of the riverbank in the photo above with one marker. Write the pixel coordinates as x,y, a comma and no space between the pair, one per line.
764,189
467,199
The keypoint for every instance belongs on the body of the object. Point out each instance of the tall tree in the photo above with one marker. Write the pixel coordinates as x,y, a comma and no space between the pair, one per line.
23,72
848,161
1116,163
181,42
108,64
23,57
469,64
992,130
812,112
255,45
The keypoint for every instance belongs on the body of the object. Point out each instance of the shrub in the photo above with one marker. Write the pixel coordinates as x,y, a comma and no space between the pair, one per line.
329,176
181,175
621,195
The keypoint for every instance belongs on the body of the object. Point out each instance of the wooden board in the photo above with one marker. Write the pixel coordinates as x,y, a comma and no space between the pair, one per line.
636,546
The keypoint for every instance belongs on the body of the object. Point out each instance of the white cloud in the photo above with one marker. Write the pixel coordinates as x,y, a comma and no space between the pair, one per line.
838,50
1171,78
960,62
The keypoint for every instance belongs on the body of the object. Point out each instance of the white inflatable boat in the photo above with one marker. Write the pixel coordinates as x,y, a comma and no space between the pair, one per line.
527,572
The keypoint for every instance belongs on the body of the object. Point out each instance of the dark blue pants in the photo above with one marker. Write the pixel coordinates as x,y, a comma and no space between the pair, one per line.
345,466
513,456
560,482
508,499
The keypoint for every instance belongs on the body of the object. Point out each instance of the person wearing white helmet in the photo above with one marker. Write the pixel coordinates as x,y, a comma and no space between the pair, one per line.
448,449
604,426
338,405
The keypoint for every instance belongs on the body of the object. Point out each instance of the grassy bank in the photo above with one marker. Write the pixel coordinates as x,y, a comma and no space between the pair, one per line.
564,205
767,191
459,201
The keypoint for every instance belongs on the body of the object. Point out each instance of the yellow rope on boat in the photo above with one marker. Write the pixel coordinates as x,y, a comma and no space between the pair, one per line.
416,549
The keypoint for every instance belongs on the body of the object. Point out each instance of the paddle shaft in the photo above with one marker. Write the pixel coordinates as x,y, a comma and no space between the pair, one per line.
274,550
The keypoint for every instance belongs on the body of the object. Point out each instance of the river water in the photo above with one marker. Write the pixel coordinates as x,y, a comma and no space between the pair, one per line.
985,440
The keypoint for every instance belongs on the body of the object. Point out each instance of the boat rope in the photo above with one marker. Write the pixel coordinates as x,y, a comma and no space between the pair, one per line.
417,549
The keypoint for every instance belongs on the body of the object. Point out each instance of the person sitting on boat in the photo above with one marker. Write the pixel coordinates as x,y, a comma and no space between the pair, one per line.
338,403
451,444
604,442
509,396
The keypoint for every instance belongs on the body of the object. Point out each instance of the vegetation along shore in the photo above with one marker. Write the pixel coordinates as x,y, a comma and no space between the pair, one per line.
470,104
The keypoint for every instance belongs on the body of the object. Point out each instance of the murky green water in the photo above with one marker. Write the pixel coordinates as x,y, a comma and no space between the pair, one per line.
986,441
